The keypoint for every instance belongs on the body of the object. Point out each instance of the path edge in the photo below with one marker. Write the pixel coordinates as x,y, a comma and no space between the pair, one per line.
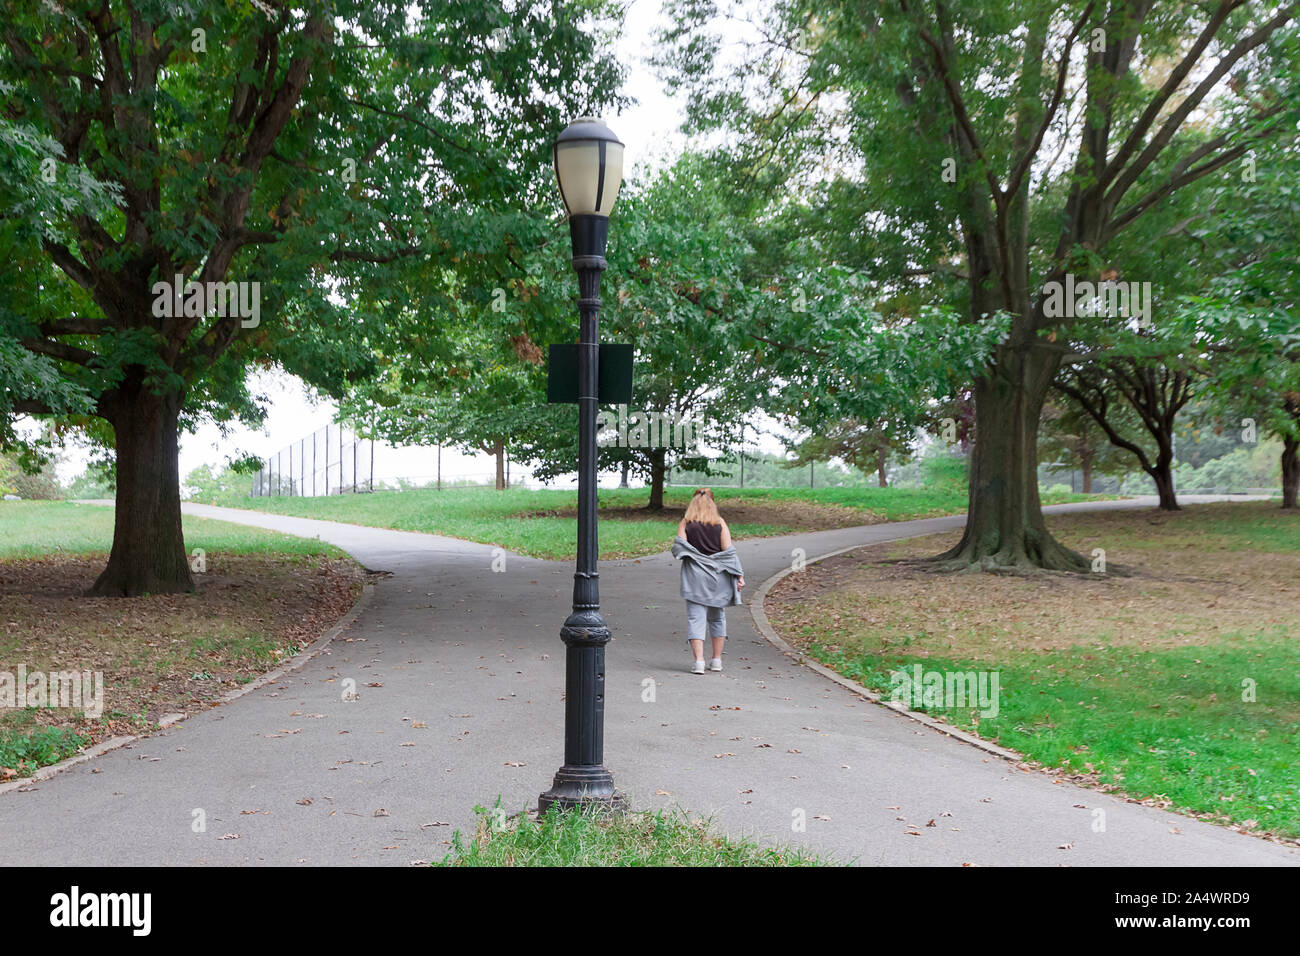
167,721
764,627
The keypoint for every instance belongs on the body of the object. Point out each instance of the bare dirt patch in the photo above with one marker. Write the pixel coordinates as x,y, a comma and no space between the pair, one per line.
1180,588
165,653
792,514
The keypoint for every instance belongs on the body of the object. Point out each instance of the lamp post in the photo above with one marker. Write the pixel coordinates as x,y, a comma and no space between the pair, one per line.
589,169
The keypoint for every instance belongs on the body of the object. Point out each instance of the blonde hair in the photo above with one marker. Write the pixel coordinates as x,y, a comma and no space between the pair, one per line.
703,508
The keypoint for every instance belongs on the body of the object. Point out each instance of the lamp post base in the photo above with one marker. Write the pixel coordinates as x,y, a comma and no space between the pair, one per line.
585,788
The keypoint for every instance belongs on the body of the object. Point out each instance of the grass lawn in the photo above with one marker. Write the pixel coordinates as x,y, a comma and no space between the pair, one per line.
262,597
632,839
543,523
1175,682
41,529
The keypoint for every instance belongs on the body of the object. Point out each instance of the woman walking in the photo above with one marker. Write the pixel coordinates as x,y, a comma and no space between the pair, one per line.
711,576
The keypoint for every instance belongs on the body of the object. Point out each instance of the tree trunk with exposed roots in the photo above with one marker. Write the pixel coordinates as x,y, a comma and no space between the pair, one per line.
1005,529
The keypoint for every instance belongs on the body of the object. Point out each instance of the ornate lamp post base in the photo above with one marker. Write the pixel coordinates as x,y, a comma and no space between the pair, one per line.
582,788
583,781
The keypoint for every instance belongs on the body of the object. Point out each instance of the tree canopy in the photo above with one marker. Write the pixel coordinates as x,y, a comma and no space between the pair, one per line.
231,182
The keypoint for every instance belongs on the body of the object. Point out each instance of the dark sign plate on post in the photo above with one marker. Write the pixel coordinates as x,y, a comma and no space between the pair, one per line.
615,386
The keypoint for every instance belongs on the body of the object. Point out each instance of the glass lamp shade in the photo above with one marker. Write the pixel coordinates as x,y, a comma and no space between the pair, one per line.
588,167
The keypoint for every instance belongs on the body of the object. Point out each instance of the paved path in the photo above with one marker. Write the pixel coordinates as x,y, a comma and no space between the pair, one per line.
467,671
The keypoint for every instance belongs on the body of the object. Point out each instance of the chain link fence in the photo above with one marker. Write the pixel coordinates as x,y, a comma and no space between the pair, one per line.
330,461
334,460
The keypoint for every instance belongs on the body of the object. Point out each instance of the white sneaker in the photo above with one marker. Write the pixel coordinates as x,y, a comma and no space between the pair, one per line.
715,664
697,667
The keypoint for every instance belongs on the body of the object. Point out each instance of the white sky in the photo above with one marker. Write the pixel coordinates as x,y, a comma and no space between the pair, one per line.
649,128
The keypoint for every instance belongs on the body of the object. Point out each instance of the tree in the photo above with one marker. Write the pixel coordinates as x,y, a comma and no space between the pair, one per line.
1204,433
92,77
285,156
675,290
1259,370
1155,394
678,267
866,446
1069,437
1251,311
948,177
486,394
18,479
31,207
1291,452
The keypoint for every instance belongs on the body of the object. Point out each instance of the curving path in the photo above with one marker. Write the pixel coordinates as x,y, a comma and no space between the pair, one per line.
460,672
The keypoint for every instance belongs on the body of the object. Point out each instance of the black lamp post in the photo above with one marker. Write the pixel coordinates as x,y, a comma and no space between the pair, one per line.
589,169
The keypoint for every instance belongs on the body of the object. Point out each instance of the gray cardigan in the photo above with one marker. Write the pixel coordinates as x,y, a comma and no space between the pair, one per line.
708,579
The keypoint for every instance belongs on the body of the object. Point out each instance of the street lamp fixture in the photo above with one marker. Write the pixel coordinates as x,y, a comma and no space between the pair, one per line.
589,169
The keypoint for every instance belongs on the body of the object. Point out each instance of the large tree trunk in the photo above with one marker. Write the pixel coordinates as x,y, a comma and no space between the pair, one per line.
1085,466
148,555
622,481
1163,475
657,472
881,478
1004,520
1290,470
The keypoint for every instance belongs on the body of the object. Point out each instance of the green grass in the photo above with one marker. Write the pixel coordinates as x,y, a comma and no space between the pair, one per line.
1242,526
888,504
26,743
36,529
494,517
1166,724
231,644
631,839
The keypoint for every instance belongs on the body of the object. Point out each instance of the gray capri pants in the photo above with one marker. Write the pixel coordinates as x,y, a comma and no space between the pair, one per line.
696,617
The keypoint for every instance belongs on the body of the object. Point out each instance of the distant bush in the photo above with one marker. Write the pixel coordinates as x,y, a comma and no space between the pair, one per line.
42,485
203,484
945,472
92,483
1255,466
